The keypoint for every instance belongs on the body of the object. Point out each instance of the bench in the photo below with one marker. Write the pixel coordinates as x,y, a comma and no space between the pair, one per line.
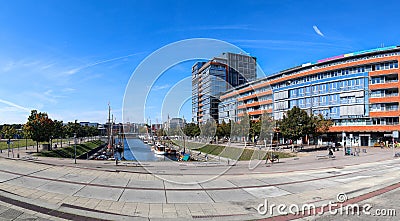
29,158
324,156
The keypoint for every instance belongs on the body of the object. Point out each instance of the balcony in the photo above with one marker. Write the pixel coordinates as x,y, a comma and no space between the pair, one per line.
387,113
385,85
385,99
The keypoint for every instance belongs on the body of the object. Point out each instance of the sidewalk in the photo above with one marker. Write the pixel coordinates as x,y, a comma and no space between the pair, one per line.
101,190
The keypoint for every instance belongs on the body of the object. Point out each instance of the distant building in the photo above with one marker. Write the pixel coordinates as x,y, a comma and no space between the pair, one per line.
133,127
89,124
174,123
156,127
213,78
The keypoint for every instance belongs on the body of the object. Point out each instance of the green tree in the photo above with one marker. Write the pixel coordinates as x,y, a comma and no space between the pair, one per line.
296,124
208,129
143,129
191,130
26,136
39,127
161,132
59,130
321,125
223,129
244,127
93,132
255,129
73,128
8,132
267,128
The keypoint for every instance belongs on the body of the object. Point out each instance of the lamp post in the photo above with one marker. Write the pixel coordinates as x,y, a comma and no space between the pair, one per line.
8,143
277,135
301,138
184,144
75,147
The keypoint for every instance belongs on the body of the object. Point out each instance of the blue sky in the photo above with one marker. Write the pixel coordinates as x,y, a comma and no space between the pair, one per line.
71,58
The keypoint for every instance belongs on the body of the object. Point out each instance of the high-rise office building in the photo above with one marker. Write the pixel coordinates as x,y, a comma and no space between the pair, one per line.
212,78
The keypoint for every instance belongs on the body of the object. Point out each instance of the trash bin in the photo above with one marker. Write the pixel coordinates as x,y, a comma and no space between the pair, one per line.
348,151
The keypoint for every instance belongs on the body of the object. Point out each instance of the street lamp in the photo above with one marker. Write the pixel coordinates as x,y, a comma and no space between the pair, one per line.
277,135
8,143
75,147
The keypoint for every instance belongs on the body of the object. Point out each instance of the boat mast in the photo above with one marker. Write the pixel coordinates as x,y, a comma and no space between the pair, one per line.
109,126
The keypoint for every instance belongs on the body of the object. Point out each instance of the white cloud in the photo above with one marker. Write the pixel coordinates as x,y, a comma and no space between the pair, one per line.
316,29
160,87
9,103
286,44
38,65
76,70
46,96
68,89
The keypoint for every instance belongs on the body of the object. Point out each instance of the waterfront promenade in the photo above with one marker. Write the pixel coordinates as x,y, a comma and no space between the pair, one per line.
46,188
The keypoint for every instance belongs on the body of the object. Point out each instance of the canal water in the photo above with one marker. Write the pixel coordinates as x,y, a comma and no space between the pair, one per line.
137,150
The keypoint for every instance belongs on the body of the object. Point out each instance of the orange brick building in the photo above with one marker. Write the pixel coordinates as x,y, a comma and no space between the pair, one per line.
358,91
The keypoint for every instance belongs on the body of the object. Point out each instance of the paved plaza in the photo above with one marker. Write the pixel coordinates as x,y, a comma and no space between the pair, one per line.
57,189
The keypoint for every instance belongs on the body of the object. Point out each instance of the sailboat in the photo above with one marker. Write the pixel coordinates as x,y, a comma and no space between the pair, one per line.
159,149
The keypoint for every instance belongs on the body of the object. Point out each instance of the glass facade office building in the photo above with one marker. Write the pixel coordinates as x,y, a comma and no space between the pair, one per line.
213,78
359,91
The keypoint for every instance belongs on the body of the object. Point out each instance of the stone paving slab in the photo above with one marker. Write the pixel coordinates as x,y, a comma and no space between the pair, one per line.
234,195
146,183
188,197
144,196
60,187
77,177
350,178
217,184
298,187
10,214
53,173
21,168
99,193
6,176
27,181
169,185
129,208
323,183
142,209
276,180
265,192
155,210
122,182
323,174
247,182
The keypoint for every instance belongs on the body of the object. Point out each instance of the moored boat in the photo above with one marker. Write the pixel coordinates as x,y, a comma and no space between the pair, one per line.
159,149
